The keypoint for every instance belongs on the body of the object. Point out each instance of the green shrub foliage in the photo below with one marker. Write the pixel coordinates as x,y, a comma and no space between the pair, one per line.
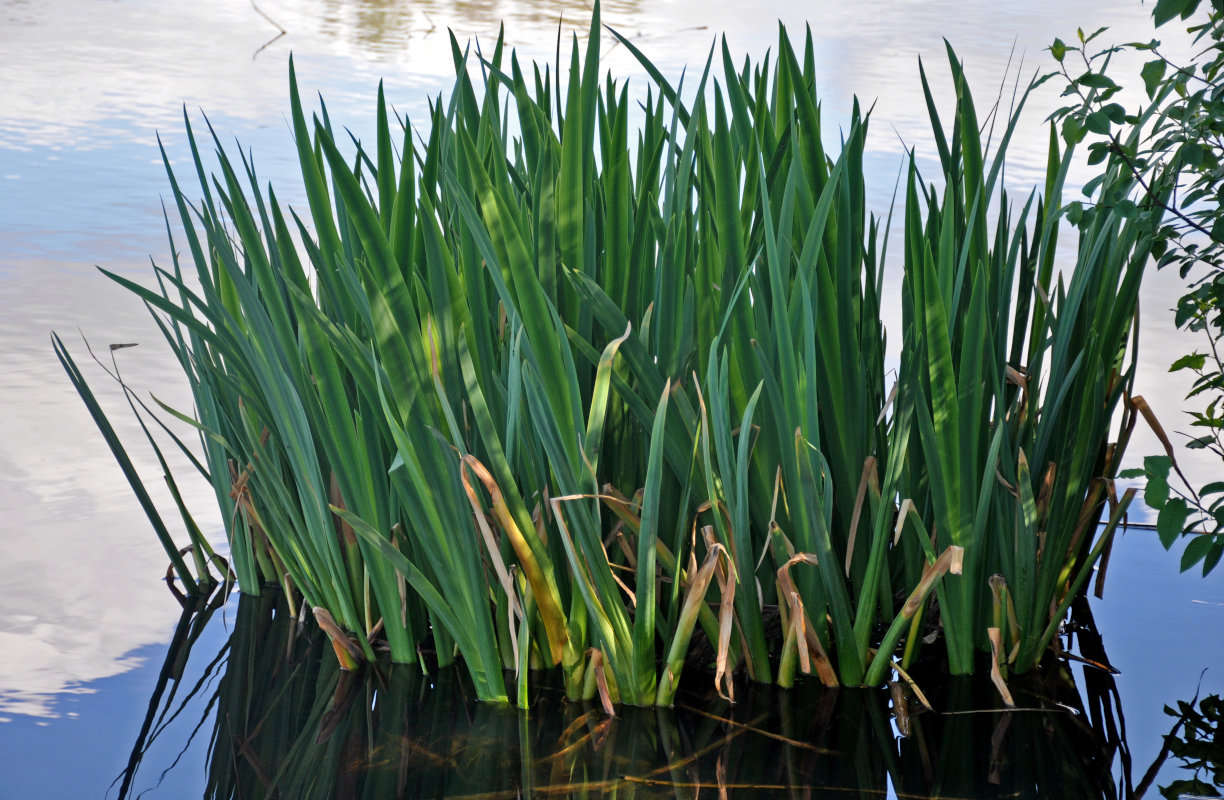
1174,150
565,376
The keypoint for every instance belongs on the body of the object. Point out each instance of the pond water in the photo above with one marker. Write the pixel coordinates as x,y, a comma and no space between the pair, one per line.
238,701
89,85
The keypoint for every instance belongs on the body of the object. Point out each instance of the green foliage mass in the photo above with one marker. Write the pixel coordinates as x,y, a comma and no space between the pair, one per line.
1174,147
570,379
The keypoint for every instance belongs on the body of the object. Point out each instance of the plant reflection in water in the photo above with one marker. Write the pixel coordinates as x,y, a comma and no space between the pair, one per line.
287,722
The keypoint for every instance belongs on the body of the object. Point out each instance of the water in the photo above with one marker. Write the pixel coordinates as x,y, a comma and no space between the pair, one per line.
280,711
88,85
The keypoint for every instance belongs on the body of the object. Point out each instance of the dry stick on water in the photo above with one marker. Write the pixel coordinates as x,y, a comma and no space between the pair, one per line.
755,729
276,24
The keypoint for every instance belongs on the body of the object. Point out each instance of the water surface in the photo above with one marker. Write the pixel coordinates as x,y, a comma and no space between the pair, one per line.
251,703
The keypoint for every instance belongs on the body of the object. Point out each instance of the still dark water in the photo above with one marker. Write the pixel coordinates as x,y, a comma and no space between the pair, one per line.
87,87
244,704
